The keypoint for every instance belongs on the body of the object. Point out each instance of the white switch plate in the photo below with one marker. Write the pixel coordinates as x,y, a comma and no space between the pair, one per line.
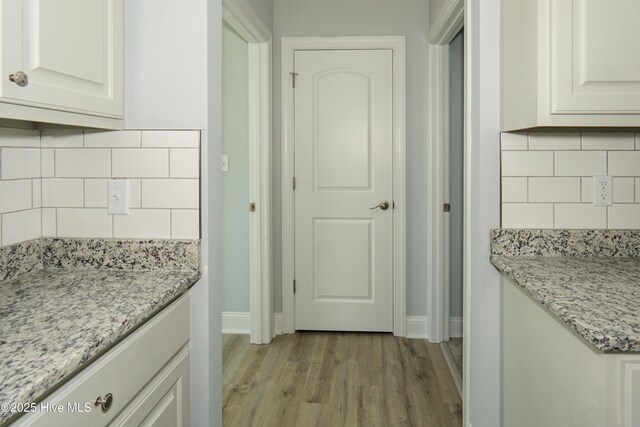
225,163
602,191
118,197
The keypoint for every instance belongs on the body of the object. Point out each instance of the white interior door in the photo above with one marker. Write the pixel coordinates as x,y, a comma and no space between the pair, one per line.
343,168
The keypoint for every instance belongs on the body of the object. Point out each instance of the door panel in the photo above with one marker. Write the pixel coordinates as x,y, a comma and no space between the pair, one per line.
343,167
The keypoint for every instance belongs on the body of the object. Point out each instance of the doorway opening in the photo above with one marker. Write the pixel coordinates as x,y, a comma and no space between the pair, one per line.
246,166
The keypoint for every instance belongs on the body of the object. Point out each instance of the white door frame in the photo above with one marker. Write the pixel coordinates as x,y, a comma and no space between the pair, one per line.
397,45
445,28
244,20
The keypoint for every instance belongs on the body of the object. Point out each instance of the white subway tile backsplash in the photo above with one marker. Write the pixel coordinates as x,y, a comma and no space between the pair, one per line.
62,138
19,138
587,190
184,163
185,224
49,222
527,163
637,141
553,189
624,216
623,190
15,195
170,193
20,163
140,163
36,193
514,189
527,215
20,226
83,163
580,216
580,163
95,193
624,163
47,157
514,141
111,139
82,222
143,223
62,193
637,190
171,139
607,141
554,141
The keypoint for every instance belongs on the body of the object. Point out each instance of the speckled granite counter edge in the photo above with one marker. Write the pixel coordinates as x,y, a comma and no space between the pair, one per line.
575,243
120,254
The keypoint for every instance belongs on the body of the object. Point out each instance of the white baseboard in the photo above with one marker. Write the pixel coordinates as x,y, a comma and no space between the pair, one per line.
236,322
277,323
455,327
417,327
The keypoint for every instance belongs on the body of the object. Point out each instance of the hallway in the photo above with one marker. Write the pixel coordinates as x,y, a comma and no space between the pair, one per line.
337,379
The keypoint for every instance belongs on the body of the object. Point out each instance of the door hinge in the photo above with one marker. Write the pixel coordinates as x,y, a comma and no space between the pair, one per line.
446,207
293,78
294,286
252,207
294,183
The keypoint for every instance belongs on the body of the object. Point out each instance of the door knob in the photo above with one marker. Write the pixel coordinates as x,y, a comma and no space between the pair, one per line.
19,78
384,205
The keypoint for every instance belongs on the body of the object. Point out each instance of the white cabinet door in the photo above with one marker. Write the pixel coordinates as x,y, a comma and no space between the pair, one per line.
595,51
71,51
165,401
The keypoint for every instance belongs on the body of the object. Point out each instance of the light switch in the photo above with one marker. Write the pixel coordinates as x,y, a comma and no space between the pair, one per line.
225,163
118,194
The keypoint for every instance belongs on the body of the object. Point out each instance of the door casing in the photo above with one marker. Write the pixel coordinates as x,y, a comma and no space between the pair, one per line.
289,46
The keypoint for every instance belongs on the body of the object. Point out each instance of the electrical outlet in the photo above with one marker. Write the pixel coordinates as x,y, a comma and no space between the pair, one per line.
225,163
118,194
602,191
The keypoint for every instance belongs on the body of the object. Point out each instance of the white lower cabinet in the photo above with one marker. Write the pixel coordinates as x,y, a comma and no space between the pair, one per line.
552,377
144,380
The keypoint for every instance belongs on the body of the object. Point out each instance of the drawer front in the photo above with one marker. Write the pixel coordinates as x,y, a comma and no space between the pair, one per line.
123,371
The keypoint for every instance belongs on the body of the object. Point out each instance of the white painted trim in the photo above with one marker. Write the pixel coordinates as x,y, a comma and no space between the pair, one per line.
436,230
397,44
243,19
234,322
418,327
448,23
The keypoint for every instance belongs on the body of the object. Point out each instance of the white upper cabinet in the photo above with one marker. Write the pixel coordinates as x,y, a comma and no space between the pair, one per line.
71,52
570,63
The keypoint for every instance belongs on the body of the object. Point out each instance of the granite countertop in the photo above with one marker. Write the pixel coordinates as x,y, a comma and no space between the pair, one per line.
590,280
54,321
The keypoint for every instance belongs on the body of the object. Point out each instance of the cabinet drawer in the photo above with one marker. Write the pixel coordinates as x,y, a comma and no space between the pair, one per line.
123,371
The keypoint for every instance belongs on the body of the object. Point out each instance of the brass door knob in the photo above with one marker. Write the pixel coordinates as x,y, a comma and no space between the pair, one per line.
104,402
384,205
19,78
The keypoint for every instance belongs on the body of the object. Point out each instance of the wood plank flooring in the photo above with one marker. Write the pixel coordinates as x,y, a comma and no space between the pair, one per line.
337,379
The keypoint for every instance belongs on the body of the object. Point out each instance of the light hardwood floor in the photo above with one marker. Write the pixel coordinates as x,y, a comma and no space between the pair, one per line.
337,379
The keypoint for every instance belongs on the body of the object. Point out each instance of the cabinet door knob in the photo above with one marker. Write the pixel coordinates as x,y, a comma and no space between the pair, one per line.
19,78
104,402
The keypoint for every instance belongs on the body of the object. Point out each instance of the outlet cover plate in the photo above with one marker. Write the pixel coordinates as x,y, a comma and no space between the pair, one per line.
602,191
118,197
